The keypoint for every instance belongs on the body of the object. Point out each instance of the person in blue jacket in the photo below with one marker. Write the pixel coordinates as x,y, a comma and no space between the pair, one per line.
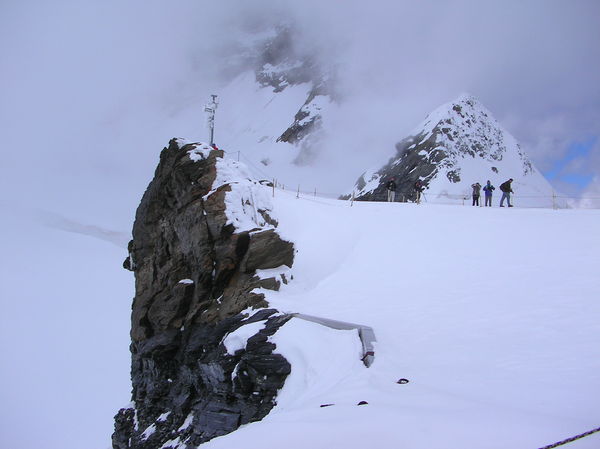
488,189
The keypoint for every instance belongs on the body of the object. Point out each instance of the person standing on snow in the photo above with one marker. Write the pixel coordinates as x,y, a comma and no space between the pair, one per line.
506,189
476,193
391,190
488,189
418,189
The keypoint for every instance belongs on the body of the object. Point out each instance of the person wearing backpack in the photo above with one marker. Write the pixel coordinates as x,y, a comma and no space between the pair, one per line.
418,189
476,193
488,189
506,189
391,190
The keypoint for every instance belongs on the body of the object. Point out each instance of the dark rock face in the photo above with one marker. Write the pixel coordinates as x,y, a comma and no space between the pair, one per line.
304,121
281,63
194,276
409,165
461,130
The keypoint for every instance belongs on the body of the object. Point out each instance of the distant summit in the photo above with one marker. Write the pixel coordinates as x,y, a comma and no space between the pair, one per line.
458,144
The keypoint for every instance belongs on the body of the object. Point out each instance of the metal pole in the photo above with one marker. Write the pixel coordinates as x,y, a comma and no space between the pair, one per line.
211,108
298,194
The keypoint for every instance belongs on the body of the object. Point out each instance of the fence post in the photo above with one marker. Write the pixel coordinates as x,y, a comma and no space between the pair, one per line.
238,156
352,200
273,187
298,194
315,191
553,200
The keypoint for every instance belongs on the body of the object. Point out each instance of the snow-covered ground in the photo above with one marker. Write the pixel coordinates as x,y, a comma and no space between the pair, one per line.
64,334
492,315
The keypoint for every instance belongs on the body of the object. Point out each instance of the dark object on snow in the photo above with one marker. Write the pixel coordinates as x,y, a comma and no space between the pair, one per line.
266,182
326,405
402,381
363,403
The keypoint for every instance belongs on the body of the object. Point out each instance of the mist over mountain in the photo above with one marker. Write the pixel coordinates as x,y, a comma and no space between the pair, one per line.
124,92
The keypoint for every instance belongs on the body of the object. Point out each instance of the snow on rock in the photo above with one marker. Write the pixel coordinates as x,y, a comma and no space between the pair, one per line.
187,423
237,339
322,359
148,432
163,417
248,202
175,443
199,150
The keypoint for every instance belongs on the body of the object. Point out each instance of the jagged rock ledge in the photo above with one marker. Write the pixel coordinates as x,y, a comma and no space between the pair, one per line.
202,230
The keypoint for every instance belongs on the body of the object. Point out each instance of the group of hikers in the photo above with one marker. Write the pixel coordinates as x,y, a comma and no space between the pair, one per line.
488,189
391,190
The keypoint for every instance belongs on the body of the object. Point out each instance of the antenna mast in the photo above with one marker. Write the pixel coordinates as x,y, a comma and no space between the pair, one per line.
210,109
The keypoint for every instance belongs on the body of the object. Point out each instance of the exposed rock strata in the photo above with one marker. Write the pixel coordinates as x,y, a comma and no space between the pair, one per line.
194,278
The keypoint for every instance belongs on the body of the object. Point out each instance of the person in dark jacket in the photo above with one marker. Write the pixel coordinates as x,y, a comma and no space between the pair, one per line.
391,190
506,189
476,193
488,189
418,189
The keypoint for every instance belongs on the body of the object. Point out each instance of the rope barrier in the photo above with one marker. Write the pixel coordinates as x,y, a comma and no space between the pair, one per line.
405,195
569,440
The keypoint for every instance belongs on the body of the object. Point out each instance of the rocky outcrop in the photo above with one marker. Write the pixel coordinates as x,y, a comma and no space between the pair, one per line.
195,263
458,144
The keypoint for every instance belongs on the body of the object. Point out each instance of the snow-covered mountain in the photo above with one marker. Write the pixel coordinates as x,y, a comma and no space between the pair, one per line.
285,92
458,144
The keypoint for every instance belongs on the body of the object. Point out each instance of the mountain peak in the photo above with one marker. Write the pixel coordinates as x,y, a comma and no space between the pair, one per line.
466,97
458,144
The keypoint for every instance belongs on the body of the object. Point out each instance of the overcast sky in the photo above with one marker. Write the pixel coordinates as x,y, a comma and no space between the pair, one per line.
91,90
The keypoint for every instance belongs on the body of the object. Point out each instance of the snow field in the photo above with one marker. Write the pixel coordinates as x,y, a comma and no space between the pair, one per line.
492,314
